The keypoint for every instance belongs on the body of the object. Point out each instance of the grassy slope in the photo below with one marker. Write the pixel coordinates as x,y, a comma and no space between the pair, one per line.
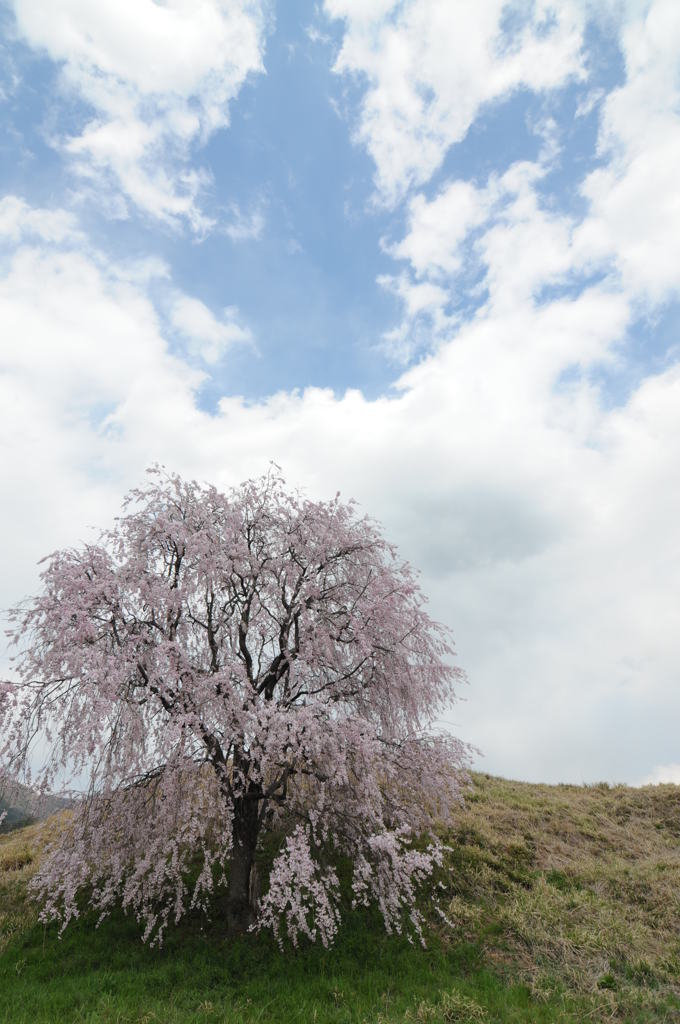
567,908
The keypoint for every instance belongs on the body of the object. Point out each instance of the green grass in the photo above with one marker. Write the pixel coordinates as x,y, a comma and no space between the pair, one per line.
566,902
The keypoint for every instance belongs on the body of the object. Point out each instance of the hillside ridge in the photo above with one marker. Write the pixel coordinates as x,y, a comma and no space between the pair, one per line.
564,900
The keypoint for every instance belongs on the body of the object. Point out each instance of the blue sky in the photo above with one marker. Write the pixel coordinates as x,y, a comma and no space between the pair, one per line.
423,251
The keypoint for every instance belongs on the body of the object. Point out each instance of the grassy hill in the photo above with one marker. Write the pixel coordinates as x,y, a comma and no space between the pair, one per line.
566,902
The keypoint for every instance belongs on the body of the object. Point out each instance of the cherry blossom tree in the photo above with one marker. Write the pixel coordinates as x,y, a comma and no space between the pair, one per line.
224,666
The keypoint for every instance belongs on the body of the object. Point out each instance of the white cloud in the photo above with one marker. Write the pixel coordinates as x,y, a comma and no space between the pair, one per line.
661,774
18,220
527,246
535,509
423,319
430,67
49,303
244,227
545,525
437,229
589,102
158,78
501,232
79,342
517,240
634,199
207,336
545,521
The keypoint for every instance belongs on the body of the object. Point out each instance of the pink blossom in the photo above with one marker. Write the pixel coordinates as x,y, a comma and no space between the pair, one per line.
223,665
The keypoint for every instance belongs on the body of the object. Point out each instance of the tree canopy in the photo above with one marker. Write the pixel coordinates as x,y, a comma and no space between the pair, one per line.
219,667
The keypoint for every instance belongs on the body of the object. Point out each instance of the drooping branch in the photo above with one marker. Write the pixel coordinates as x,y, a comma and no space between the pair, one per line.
221,664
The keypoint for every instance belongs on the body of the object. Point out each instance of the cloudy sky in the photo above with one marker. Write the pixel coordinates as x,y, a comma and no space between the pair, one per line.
424,252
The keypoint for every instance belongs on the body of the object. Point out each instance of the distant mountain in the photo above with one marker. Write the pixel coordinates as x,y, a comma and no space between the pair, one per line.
23,807
16,818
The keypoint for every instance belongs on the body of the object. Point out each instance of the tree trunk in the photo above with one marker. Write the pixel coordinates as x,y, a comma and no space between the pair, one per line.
242,893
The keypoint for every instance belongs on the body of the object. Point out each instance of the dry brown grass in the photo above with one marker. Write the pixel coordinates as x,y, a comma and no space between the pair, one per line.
573,888
20,854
